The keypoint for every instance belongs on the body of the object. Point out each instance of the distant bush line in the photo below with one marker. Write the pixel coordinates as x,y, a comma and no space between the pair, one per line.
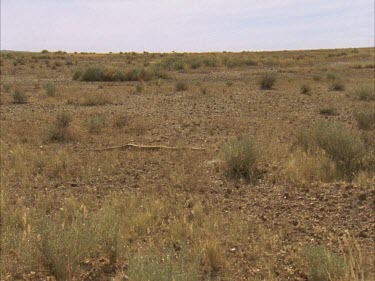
100,73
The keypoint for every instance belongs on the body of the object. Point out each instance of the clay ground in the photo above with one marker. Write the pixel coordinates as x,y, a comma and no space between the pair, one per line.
180,203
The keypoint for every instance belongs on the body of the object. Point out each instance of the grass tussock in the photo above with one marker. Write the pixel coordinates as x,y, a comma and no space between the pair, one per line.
306,90
241,157
365,93
19,97
345,147
50,89
60,131
267,81
366,120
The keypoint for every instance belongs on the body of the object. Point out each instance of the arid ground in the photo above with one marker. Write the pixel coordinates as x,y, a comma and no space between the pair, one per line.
242,166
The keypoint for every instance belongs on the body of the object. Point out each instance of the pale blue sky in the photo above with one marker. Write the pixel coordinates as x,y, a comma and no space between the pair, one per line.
185,25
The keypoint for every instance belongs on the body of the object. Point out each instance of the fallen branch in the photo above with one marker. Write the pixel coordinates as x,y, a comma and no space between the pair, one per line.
146,147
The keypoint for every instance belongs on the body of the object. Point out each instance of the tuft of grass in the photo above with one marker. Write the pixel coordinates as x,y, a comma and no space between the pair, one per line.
324,265
306,89
365,93
337,85
343,146
50,89
366,120
7,87
267,81
96,123
60,130
19,97
92,74
329,110
241,157
181,86
139,88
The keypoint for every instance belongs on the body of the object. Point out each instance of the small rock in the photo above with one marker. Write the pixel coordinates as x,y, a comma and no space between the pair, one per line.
362,197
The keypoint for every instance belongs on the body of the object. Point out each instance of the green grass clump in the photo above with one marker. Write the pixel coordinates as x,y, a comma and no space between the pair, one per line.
365,93
366,120
60,130
19,97
241,156
324,265
337,85
50,89
342,145
96,123
267,81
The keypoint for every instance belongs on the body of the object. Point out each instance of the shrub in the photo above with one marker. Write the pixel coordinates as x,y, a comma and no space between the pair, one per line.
332,76
139,88
337,85
365,93
306,90
328,111
241,156
60,132
366,120
181,86
96,123
7,87
324,265
19,97
342,145
267,81
77,74
92,74
50,89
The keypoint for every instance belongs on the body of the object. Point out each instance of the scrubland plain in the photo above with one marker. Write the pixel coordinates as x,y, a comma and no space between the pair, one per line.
180,166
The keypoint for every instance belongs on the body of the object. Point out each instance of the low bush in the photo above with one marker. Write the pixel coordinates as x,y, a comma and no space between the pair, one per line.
342,145
60,131
366,120
365,93
337,85
267,81
50,89
241,156
96,123
19,97
306,89
324,265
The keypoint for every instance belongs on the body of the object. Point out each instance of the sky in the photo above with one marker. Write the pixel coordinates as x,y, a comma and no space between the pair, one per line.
185,25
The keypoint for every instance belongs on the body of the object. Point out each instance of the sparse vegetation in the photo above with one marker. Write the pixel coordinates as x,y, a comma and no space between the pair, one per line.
306,90
50,89
60,130
324,265
19,97
267,81
366,120
365,93
241,156
343,146
139,189
181,86
96,123
329,110
337,85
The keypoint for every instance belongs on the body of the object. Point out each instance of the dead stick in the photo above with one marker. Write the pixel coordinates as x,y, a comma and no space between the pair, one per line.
146,147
